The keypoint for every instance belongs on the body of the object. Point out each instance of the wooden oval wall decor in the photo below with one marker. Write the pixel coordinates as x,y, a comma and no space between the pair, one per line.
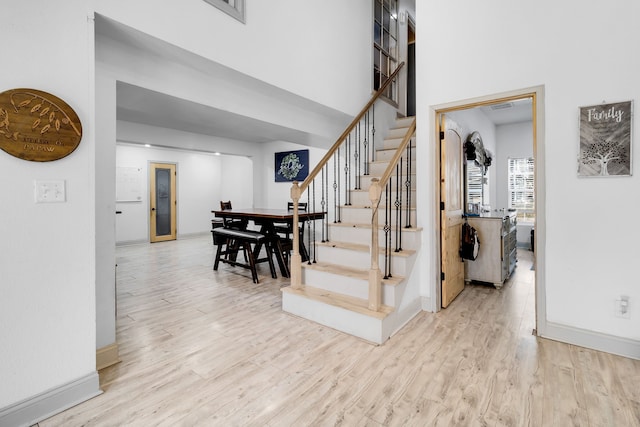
37,126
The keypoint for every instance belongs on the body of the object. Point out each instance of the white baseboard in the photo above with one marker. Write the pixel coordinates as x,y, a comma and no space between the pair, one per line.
42,406
107,356
590,339
178,237
195,235
426,304
132,242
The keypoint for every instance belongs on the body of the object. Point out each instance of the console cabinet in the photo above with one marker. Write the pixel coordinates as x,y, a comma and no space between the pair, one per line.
498,255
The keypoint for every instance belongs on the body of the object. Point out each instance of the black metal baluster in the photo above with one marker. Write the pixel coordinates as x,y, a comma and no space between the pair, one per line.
336,185
373,133
387,232
312,224
366,143
408,184
325,204
323,189
347,176
356,156
308,224
399,206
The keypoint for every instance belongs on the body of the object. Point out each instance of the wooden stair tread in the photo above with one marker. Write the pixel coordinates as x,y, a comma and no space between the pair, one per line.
364,248
355,273
382,205
394,149
362,176
363,225
386,162
346,302
402,190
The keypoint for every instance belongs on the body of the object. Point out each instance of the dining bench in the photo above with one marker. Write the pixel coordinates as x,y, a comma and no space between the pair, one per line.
232,241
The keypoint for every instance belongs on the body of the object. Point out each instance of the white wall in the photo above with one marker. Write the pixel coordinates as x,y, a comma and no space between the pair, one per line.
199,190
320,50
271,194
47,308
586,251
237,183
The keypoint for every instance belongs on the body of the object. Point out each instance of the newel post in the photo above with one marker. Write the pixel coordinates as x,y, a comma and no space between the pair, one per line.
296,259
375,276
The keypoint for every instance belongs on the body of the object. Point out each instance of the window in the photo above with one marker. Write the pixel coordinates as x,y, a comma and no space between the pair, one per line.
385,44
233,8
521,188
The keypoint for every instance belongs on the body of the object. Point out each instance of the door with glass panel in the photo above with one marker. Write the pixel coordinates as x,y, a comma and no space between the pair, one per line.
162,202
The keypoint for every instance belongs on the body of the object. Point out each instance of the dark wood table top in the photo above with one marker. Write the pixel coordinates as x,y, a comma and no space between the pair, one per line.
269,214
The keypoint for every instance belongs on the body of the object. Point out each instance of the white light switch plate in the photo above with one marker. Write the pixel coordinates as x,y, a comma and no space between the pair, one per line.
50,191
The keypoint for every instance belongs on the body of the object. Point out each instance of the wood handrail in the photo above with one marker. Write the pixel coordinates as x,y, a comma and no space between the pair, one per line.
386,176
297,189
348,130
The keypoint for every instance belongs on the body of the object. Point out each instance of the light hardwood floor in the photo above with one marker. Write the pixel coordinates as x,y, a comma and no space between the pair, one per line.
205,348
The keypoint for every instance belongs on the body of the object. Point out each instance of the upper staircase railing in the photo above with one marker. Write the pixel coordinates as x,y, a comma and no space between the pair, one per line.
340,171
395,208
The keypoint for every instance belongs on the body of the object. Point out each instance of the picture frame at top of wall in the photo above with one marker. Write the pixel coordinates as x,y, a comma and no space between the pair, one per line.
291,166
606,140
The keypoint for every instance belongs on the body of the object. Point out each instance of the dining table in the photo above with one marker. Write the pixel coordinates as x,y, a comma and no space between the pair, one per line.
267,219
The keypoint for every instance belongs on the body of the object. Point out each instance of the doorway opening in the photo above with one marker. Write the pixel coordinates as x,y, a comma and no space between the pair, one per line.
162,202
455,123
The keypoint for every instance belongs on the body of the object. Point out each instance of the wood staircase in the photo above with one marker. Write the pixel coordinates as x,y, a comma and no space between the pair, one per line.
334,290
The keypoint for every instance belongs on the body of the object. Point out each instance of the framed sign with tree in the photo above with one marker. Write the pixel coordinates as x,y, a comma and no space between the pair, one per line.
605,140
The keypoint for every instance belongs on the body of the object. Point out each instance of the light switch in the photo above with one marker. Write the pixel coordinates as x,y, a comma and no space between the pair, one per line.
50,191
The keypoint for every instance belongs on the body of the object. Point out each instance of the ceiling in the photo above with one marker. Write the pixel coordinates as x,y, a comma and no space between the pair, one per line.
504,113
144,106
139,105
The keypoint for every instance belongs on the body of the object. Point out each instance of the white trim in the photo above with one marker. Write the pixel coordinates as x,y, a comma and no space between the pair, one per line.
107,356
44,405
427,304
593,340
539,155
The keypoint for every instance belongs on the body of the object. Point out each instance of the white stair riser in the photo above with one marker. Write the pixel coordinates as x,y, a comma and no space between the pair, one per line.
378,168
362,235
346,285
363,216
386,155
398,132
404,122
349,258
365,181
394,142
361,197
366,327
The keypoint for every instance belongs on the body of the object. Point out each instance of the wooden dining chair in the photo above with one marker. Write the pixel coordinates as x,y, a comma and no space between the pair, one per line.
233,223
285,230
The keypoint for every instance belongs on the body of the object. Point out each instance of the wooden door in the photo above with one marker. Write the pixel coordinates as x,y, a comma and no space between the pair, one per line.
451,209
162,202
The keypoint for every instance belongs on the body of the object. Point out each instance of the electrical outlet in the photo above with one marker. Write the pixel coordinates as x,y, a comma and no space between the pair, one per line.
50,191
622,307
